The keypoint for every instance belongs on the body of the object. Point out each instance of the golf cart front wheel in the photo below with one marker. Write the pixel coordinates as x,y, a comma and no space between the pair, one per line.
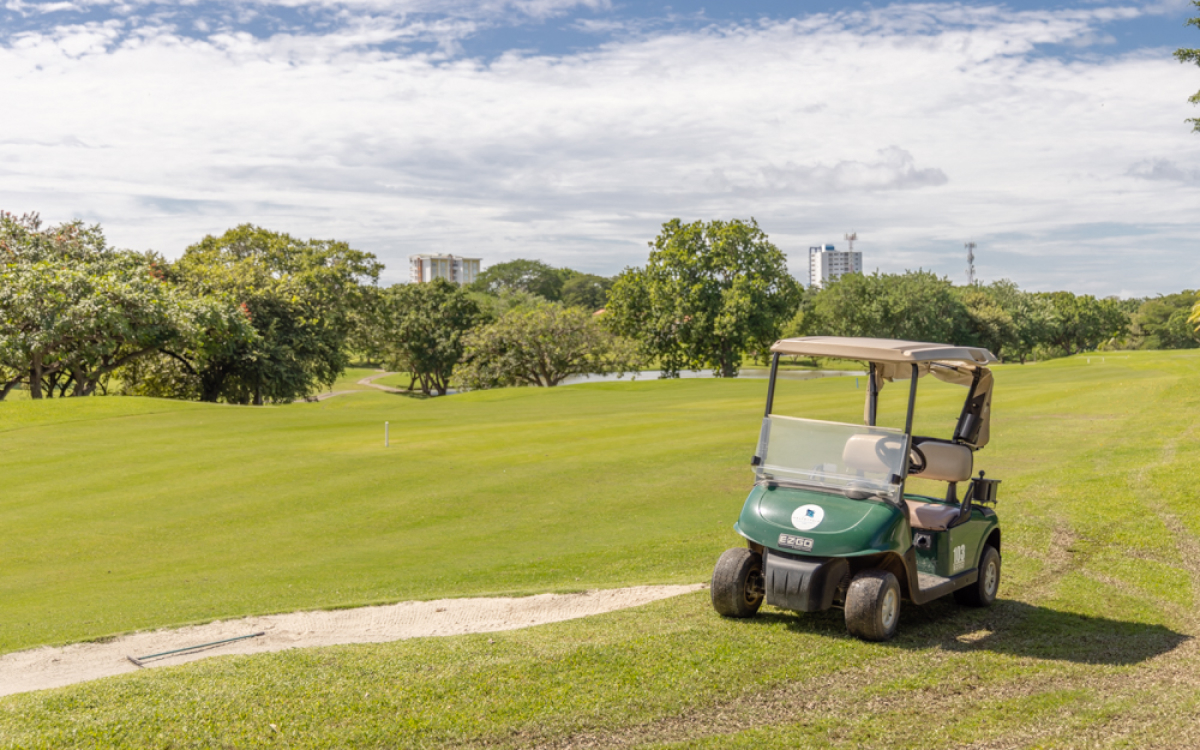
737,583
873,605
983,592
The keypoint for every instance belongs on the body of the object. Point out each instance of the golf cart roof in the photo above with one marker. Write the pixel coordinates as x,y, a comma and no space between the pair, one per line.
883,350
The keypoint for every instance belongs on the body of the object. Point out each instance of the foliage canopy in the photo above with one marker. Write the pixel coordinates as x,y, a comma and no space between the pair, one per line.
299,297
710,292
542,345
73,310
426,325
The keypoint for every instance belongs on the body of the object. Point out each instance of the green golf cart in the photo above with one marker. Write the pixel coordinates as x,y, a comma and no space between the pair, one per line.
829,524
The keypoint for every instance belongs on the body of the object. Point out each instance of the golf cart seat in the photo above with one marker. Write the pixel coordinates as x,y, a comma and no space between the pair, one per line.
930,516
944,462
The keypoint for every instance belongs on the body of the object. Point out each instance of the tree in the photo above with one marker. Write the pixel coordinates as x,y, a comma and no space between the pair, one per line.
1162,322
989,324
73,310
586,290
427,325
1083,322
298,295
542,346
531,276
709,293
913,306
495,305
1185,55
1032,318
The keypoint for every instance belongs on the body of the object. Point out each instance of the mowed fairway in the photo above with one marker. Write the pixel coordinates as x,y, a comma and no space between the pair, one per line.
122,514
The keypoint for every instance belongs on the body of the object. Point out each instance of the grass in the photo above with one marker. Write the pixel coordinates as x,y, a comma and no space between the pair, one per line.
204,511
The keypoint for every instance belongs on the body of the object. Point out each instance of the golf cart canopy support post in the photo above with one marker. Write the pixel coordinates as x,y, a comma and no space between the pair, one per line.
872,397
771,384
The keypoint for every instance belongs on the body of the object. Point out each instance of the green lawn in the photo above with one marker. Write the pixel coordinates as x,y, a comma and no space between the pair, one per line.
131,513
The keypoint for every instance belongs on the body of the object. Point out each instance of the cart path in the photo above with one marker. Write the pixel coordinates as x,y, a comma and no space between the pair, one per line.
50,667
369,381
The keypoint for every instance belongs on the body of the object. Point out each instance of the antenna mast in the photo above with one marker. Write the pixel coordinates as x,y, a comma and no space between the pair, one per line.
970,246
850,237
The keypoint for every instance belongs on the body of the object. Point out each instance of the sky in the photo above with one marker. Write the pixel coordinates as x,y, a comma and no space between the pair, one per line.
1052,135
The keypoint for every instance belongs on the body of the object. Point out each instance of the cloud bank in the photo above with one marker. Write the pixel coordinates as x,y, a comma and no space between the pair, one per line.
920,126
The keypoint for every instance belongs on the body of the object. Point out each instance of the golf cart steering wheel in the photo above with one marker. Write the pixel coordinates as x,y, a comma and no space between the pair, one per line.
916,460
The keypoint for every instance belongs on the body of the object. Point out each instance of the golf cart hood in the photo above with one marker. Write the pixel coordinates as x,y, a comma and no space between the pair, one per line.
818,523
893,360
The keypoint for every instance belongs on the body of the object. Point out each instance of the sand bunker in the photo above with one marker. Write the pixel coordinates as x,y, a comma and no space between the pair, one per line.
42,668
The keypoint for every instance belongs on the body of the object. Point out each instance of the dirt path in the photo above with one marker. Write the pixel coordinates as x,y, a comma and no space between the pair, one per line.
42,668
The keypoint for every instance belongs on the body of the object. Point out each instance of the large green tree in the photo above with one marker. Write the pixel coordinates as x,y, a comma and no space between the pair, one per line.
1162,322
542,345
586,290
73,310
522,275
912,306
710,293
1082,322
1032,318
424,331
299,295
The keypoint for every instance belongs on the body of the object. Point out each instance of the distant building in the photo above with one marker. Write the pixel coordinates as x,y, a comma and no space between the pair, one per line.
427,267
826,264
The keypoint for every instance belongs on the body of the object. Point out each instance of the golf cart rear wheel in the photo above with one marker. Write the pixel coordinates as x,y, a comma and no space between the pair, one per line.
737,583
873,605
983,592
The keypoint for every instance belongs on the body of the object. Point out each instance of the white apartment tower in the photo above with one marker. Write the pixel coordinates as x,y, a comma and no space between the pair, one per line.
826,264
427,267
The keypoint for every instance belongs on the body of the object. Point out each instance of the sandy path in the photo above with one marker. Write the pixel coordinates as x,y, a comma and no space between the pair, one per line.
41,668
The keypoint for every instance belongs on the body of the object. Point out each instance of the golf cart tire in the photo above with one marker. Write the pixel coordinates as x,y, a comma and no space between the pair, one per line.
873,605
983,592
737,583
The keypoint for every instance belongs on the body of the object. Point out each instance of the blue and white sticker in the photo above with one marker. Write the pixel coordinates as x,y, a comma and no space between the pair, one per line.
808,517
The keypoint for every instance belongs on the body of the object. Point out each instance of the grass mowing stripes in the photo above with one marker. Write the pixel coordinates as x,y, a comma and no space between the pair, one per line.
603,484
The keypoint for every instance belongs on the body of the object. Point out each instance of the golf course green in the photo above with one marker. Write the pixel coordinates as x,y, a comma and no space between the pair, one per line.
122,514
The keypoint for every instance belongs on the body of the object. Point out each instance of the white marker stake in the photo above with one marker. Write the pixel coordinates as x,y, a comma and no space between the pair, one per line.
386,442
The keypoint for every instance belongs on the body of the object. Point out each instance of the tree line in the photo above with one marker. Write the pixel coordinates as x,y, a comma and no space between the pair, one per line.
254,316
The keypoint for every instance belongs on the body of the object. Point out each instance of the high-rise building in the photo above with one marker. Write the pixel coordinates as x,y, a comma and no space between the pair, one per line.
427,267
826,264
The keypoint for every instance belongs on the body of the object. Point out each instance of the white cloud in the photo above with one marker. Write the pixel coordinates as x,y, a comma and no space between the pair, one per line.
921,126
1163,169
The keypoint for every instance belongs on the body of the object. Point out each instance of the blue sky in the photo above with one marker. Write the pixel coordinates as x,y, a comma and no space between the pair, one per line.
1051,135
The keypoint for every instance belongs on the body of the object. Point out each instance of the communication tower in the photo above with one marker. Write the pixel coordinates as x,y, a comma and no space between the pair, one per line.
970,246
850,237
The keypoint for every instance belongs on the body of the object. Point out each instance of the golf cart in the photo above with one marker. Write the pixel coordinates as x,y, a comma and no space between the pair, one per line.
829,524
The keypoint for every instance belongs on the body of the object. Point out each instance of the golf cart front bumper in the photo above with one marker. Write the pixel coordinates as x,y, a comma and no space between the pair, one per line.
803,584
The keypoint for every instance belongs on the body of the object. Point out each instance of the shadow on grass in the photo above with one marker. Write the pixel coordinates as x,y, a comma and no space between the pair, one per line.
1007,627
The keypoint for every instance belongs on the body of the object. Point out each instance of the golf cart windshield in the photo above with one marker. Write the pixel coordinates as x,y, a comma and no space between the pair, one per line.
854,461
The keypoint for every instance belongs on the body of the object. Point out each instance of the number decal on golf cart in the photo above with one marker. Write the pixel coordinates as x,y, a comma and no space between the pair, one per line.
960,557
